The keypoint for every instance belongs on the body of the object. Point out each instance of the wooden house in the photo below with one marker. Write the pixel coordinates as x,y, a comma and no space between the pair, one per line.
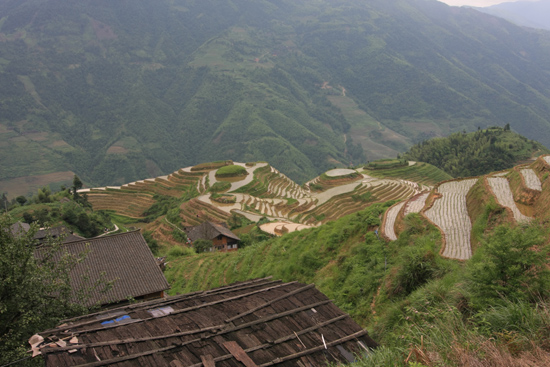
222,238
255,323
20,229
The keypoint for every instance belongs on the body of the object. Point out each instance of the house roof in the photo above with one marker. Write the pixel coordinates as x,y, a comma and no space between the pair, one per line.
42,234
259,323
209,231
19,228
123,258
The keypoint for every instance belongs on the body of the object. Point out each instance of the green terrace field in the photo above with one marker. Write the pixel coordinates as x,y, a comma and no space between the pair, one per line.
420,172
193,193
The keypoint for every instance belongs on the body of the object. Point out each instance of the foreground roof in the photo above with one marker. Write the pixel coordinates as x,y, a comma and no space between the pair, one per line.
123,258
209,231
255,323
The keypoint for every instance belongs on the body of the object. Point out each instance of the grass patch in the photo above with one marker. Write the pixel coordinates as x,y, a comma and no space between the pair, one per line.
231,171
210,165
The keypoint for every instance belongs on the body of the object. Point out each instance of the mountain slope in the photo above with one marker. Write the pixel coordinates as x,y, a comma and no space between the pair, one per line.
532,14
123,91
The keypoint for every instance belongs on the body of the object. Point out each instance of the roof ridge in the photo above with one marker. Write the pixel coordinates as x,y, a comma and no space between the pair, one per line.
102,237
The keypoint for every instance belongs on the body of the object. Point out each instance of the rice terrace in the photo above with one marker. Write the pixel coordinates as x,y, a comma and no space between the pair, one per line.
218,191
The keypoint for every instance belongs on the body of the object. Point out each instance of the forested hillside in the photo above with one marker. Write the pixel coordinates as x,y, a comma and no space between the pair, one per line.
474,154
119,91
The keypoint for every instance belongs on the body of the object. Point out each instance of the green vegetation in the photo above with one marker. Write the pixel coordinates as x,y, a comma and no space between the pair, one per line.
223,198
281,82
220,186
35,293
423,173
387,164
410,298
478,153
210,165
231,171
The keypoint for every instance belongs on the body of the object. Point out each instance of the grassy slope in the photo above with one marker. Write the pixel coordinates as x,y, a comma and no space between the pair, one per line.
412,301
327,256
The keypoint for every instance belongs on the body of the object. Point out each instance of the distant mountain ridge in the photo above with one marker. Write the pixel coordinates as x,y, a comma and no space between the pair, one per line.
118,91
534,14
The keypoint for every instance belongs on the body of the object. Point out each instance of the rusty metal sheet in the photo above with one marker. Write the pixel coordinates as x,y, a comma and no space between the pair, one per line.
239,354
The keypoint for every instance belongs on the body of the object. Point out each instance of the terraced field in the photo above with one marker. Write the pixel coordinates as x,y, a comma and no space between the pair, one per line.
416,203
388,227
501,189
134,198
129,204
450,214
531,179
367,193
264,192
422,173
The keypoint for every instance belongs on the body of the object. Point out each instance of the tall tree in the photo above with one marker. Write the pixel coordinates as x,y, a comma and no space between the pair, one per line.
35,288
77,185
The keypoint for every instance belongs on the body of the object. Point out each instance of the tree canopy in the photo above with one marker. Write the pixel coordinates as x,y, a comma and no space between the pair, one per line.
35,288
477,153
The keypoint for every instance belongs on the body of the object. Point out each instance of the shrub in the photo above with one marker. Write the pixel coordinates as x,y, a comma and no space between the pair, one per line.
179,251
223,198
511,263
151,242
201,245
220,186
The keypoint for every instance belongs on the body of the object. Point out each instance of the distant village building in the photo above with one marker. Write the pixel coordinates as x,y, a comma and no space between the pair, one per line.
56,232
255,323
20,228
123,258
222,238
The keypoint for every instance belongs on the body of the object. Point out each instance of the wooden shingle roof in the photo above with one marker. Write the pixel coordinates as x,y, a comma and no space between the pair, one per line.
55,232
255,323
123,258
209,231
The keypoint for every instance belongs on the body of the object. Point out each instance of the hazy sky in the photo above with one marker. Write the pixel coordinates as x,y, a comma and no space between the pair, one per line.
478,2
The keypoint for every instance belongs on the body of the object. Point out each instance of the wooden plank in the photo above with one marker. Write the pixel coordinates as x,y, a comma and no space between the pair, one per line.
192,308
316,349
177,345
271,302
169,300
239,354
208,361
284,339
